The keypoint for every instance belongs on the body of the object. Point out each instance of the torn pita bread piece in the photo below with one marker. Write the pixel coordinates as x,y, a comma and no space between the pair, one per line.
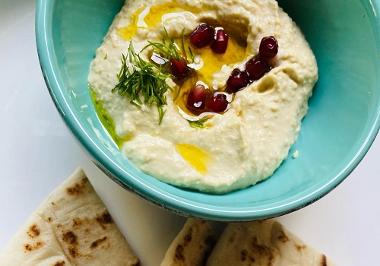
72,227
263,243
193,244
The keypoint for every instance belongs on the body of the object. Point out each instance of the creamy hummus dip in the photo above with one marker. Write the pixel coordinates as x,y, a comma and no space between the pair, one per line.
238,148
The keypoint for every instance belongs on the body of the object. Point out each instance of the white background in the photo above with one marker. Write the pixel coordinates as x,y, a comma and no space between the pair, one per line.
37,152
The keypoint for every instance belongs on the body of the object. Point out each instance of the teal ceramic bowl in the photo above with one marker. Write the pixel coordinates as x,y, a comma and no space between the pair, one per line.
341,125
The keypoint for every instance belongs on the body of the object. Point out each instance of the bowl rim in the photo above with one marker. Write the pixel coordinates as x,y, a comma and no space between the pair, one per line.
160,197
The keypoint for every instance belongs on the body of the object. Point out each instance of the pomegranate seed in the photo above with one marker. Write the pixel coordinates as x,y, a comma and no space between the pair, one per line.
196,100
218,103
268,47
220,43
238,80
178,67
202,36
257,68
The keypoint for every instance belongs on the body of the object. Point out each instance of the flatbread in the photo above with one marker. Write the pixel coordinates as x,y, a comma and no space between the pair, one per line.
72,227
263,243
193,244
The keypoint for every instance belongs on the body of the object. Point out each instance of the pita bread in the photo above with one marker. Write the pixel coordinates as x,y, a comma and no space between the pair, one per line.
193,244
262,243
72,227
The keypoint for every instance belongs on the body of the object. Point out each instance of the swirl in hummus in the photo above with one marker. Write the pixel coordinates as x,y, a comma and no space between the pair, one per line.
234,149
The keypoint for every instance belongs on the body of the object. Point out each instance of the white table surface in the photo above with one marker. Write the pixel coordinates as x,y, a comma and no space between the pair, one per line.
37,153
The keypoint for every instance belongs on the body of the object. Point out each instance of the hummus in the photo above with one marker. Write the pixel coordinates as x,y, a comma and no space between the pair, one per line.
236,149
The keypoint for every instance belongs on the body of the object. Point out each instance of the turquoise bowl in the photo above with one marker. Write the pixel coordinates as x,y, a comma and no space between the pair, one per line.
342,122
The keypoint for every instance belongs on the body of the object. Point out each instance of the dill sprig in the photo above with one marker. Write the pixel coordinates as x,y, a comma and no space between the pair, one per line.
169,49
142,82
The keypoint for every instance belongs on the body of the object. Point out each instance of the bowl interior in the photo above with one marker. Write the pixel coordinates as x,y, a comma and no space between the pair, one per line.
339,128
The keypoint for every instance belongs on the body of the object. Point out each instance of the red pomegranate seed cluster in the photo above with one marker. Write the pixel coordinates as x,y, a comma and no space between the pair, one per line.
205,35
238,79
201,99
202,36
255,68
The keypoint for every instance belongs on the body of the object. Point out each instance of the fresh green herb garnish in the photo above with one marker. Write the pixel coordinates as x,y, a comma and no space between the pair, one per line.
199,123
169,49
142,82
189,55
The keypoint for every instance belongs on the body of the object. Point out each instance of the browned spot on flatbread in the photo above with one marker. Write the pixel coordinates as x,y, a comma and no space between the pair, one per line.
33,231
300,247
231,239
49,219
70,238
263,251
282,236
73,252
188,237
72,241
77,222
179,253
77,188
324,261
32,247
28,247
98,242
243,255
60,263
104,219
